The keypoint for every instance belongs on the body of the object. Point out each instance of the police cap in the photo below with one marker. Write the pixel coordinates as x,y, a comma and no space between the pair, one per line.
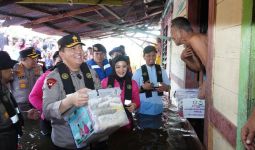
69,41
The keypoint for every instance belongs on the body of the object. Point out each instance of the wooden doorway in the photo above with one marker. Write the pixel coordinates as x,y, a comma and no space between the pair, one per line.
198,17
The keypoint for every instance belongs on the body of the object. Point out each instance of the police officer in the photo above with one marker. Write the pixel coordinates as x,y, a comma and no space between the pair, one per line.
65,88
25,75
99,62
11,121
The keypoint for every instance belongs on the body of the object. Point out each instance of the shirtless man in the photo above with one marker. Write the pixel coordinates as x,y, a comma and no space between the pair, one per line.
195,52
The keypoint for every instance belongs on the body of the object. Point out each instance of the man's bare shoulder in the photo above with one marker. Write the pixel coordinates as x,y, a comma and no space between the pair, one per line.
198,38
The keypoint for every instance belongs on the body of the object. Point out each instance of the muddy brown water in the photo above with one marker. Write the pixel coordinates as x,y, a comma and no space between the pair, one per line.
167,132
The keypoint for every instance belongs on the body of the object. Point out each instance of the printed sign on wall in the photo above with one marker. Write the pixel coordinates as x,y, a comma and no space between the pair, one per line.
193,108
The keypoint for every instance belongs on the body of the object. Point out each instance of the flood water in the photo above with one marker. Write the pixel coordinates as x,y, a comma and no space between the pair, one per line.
173,134
165,132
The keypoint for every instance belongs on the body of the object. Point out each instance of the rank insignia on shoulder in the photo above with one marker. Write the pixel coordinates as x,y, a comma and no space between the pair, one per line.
64,76
51,82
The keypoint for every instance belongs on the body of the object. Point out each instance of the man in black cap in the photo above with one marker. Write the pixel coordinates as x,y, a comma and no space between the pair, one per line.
65,89
116,51
25,75
11,120
99,63
26,72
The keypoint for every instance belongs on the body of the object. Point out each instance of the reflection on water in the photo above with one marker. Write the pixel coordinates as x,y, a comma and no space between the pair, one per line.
173,134
164,132
31,136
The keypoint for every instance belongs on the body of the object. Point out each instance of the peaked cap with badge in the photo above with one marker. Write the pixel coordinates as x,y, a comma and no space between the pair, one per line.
28,52
69,41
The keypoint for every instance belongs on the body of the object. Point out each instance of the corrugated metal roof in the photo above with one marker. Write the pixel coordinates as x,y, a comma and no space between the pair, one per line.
87,20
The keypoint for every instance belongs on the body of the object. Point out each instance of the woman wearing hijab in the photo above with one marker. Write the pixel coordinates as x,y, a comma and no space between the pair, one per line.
129,88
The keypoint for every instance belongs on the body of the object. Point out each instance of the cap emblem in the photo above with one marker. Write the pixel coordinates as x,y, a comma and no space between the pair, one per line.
75,39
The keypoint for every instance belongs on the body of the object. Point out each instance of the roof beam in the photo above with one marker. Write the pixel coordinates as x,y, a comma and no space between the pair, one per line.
111,12
140,39
6,2
131,6
99,36
15,15
34,8
29,18
90,23
122,27
64,15
90,2
105,36
100,14
110,18
97,31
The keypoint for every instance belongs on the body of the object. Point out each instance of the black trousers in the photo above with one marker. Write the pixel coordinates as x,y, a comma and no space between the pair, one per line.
9,139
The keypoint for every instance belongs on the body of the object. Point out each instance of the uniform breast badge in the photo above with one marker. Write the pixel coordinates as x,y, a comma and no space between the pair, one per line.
64,76
88,75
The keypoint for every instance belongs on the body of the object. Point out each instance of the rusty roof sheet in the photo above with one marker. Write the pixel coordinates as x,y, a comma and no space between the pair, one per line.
90,21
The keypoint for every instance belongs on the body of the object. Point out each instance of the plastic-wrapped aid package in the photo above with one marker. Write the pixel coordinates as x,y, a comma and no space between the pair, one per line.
103,115
107,109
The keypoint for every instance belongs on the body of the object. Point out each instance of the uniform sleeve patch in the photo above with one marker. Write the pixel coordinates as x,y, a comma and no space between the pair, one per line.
51,82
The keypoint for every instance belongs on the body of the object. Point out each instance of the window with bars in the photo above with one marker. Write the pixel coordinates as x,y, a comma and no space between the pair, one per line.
164,48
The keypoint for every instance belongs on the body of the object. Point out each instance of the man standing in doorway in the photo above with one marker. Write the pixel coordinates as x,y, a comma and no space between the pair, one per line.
195,53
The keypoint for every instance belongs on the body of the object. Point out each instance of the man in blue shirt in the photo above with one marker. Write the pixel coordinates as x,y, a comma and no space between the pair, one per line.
99,63
153,81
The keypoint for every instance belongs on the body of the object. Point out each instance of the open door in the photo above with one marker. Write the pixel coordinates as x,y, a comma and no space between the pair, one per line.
198,17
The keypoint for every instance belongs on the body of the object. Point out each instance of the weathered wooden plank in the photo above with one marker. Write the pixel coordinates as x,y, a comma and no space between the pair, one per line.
208,134
6,2
64,15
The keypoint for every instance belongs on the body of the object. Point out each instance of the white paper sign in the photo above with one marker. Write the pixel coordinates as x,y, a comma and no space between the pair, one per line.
193,108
